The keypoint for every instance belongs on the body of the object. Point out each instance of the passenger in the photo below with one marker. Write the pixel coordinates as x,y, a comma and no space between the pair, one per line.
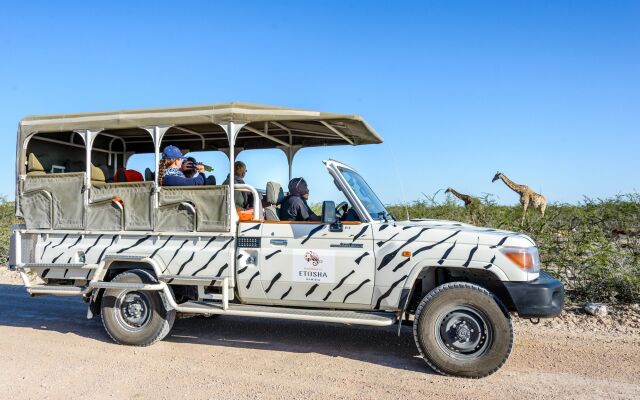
169,171
294,207
242,199
189,167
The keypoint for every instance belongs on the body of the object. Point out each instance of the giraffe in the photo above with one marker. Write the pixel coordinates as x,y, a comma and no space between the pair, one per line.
527,196
471,204
468,199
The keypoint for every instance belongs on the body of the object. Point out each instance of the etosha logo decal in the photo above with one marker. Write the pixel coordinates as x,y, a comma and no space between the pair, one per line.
312,258
317,266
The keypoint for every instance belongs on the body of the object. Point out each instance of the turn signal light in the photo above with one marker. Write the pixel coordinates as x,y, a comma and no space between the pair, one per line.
527,259
406,254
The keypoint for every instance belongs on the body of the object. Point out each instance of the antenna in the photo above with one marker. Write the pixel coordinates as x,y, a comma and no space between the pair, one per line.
399,179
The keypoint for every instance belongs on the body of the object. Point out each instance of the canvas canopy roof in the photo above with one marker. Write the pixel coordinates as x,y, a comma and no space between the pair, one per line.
199,127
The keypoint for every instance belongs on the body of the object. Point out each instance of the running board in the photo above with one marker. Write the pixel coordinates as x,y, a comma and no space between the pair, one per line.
58,290
53,265
349,317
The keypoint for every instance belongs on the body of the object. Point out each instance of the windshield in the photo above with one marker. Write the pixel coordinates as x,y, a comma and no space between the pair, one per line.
371,203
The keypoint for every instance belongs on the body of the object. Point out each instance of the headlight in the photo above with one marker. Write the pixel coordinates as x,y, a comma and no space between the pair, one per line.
525,258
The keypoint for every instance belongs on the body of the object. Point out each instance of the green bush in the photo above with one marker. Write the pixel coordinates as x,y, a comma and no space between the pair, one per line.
593,247
7,218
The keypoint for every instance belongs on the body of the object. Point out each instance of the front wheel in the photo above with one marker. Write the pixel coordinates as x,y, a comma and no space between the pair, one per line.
135,317
461,329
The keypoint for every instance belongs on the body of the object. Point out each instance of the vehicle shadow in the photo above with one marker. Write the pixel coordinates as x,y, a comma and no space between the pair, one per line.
379,346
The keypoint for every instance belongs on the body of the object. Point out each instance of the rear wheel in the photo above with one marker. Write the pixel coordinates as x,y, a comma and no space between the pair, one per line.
136,317
461,329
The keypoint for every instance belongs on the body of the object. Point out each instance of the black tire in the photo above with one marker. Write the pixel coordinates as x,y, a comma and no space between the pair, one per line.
461,329
136,318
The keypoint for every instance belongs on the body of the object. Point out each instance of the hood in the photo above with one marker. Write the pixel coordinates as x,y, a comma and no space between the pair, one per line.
464,233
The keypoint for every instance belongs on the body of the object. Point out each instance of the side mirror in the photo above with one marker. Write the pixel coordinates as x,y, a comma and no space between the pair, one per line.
329,212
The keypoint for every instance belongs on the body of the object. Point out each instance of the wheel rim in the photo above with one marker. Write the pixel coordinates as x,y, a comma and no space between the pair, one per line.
133,311
463,333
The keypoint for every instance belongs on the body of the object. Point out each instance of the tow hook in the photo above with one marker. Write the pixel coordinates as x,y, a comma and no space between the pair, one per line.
534,321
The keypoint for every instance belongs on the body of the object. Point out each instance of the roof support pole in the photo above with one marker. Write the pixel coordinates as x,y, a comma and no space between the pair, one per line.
156,132
88,136
232,129
290,152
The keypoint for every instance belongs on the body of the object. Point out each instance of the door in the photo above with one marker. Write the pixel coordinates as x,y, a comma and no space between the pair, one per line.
311,264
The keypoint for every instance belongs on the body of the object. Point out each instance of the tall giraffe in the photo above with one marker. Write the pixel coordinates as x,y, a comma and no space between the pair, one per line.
527,196
468,199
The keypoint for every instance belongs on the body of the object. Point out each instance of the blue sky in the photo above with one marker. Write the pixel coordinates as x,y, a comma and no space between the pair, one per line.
546,92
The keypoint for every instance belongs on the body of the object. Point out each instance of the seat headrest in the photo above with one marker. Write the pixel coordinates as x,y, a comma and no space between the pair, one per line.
97,175
33,164
275,194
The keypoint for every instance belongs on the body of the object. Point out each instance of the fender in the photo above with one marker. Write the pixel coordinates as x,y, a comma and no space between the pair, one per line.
103,267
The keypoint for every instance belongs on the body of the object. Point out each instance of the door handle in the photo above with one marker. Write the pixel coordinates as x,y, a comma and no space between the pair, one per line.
278,242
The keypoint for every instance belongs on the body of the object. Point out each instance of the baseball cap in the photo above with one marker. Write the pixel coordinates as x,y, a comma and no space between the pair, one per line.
171,152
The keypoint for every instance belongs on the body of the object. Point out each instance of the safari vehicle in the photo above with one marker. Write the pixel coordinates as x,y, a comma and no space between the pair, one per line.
139,253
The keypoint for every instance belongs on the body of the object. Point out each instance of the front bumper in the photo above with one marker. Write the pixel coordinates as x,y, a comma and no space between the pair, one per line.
543,297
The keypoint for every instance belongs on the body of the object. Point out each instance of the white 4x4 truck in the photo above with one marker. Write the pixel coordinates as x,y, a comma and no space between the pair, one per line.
139,252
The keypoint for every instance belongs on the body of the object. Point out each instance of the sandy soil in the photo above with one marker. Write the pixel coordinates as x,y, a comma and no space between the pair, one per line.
48,350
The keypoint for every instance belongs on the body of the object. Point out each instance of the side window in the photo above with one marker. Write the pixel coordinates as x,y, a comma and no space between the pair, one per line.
51,153
51,194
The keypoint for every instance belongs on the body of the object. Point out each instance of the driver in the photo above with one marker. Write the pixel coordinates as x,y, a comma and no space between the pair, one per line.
294,207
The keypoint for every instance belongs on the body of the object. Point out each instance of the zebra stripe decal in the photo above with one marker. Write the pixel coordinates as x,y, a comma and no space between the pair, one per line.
209,242
447,252
431,246
176,253
241,270
344,279
356,289
221,270
272,254
275,278
105,249
45,249
62,241
215,254
366,253
471,253
161,247
139,241
380,243
257,226
252,278
327,296
387,258
184,264
490,263
383,227
77,241
311,290
388,292
312,232
362,231
93,245
56,258
189,260
401,264
500,243
286,293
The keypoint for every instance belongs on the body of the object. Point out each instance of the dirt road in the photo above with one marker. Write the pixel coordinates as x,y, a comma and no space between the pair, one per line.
48,350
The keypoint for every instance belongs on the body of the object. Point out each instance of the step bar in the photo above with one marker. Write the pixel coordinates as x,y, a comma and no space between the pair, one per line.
318,315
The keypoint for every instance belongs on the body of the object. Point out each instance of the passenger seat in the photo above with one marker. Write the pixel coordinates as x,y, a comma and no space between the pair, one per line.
275,195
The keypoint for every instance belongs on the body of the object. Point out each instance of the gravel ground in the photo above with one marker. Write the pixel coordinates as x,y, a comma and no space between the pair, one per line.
50,351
